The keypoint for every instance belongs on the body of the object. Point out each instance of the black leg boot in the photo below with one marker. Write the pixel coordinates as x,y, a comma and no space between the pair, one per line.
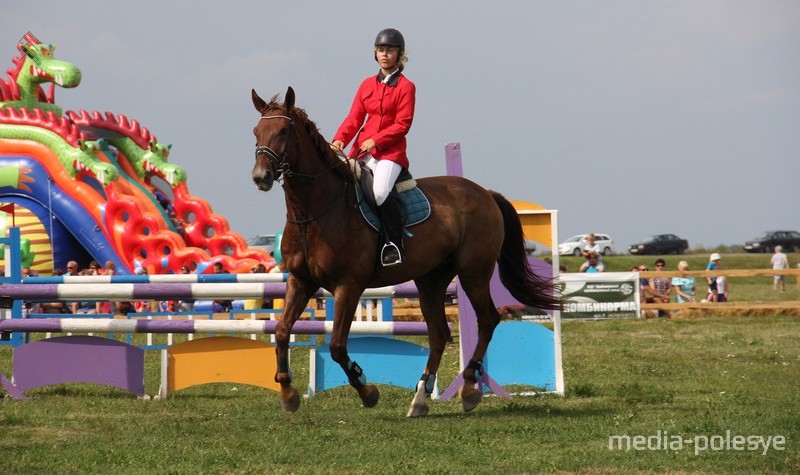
390,215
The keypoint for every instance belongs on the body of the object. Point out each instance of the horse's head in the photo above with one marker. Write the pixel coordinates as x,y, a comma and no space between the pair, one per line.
274,133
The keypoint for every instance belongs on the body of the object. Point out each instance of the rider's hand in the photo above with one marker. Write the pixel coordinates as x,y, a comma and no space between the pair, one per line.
367,145
337,145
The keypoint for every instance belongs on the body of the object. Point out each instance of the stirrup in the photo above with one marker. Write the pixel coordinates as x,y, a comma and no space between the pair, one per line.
390,255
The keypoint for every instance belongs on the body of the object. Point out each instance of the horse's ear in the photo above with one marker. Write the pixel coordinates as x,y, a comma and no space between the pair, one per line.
289,101
258,101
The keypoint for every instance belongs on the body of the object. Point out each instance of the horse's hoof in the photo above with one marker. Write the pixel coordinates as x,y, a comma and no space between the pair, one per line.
369,395
290,403
470,398
417,410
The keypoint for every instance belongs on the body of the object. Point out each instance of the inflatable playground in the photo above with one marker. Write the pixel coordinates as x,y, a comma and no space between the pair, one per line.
96,186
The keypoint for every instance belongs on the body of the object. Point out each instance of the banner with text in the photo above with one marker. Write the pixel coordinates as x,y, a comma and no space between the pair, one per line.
600,295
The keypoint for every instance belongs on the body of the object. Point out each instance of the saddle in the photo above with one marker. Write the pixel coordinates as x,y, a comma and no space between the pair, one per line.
415,205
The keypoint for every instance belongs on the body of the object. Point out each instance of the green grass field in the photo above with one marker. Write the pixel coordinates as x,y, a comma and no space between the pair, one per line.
689,380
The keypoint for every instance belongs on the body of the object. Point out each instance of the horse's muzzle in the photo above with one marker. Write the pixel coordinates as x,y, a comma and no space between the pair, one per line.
264,181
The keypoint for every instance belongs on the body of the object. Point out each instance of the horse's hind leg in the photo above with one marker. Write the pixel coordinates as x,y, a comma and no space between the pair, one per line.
477,289
297,296
432,290
345,301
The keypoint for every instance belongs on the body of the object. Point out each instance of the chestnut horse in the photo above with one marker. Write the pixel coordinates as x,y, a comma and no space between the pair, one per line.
327,244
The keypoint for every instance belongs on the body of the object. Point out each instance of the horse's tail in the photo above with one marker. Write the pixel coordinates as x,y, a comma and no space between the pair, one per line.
515,272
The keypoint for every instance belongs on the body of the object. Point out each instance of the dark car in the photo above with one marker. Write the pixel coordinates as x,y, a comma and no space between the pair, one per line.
766,242
660,244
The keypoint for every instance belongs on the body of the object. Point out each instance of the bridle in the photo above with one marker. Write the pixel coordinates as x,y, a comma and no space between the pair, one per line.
279,160
282,170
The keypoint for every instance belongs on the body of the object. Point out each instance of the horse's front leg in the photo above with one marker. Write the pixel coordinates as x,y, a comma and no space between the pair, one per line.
297,296
346,299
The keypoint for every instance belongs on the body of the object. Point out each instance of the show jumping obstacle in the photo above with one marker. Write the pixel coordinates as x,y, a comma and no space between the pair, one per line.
217,359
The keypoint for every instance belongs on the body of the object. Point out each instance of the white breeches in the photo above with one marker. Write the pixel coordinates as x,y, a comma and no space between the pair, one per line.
385,174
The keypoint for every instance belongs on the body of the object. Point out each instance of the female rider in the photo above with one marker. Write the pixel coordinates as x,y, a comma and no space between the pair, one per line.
387,102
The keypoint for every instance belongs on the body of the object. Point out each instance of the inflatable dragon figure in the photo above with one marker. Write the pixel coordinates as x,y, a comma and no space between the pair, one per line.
35,66
27,112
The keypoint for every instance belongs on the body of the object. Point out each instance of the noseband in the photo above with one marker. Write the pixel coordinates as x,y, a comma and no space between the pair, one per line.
279,160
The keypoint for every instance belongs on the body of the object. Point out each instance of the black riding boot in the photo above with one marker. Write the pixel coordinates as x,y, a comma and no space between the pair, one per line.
391,217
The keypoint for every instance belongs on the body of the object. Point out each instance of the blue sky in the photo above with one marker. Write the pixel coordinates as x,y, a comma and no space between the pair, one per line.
628,117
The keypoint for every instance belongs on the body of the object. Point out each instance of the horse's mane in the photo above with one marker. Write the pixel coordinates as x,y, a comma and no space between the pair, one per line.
322,146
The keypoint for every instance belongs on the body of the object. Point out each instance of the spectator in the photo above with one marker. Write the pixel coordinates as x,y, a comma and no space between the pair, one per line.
72,268
254,304
779,261
259,269
591,265
186,305
31,307
662,285
109,269
124,307
713,264
684,285
592,251
646,290
54,307
221,306
163,200
278,303
86,307
722,289
144,305
94,269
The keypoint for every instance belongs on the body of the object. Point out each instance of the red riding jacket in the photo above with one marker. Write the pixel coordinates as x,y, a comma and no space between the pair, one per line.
389,110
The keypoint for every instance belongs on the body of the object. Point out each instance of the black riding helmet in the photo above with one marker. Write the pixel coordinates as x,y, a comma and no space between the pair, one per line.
390,37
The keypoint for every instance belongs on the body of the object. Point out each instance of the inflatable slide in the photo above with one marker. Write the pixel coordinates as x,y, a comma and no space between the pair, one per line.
89,186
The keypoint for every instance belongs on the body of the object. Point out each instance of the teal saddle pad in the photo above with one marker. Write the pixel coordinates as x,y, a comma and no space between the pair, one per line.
416,208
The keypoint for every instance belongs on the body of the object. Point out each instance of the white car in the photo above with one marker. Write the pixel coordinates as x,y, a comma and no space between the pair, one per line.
262,241
574,245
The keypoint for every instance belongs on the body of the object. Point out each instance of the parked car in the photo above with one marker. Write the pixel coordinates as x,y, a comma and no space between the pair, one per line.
766,241
574,245
660,244
262,241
